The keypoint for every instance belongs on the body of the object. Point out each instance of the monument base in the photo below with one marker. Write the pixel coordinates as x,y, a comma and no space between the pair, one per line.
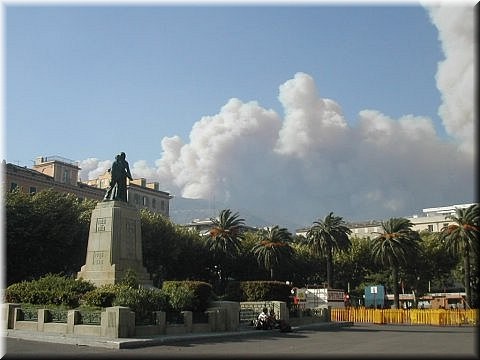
114,245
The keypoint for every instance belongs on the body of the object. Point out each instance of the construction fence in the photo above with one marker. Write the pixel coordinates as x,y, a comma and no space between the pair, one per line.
440,317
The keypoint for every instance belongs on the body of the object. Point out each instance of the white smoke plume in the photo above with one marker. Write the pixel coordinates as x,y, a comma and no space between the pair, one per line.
313,161
456,74
92,168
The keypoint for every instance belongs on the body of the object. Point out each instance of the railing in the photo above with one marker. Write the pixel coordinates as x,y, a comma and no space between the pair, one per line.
90,317
297,310
441,317
58,315
250,310
30,314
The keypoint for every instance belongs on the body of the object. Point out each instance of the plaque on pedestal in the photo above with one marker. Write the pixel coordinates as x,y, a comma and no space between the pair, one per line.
114,245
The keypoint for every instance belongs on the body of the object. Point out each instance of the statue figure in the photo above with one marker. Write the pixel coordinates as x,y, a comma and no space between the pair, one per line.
119,171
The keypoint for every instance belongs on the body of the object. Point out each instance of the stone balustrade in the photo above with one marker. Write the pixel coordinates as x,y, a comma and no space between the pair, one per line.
119,322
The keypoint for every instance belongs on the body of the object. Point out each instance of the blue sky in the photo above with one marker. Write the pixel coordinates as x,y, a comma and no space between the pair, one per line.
109,78
87,82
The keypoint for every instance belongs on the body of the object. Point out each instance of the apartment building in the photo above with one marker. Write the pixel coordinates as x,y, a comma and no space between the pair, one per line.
140,194
433,220
204,226
61,174
52,172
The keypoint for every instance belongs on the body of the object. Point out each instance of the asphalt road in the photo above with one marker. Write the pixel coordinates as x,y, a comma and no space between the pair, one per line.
358,341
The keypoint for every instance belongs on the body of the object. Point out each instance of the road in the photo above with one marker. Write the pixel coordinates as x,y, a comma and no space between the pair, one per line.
358,341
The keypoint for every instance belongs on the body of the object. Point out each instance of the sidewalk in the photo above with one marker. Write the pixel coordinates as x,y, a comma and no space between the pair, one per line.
124,343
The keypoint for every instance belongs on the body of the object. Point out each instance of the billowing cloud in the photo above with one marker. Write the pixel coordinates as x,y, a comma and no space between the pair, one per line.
456,73
92,168
313,161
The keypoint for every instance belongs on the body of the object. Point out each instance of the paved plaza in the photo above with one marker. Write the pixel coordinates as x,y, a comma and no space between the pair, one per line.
357,341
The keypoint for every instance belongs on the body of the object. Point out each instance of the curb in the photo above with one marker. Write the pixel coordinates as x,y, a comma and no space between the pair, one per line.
128,343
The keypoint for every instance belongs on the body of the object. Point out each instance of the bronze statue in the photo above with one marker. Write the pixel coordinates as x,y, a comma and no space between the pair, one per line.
119,172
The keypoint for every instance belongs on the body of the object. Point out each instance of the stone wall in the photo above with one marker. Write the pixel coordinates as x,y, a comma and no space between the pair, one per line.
119,322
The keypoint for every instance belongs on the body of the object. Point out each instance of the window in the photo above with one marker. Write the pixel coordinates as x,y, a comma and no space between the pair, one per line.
66,176
33,189
154,204
13,186
136,198
430,228
145,201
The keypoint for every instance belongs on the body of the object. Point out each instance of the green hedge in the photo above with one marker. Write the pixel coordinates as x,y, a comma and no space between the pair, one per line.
139,300
264,290
188,295
49,289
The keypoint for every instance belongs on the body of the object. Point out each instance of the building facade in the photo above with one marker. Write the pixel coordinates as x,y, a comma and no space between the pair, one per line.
52,172
433,220
204,226
61,175
140,194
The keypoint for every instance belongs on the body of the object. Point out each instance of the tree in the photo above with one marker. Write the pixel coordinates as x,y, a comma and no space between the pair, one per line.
354,264
245,267
461,238
435,265
171,252
326,237
224,238
394,247
273,249
46,233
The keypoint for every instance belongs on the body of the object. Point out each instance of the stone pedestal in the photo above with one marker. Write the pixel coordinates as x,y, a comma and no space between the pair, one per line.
114,245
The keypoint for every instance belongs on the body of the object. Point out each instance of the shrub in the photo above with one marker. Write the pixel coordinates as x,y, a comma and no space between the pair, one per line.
49,289
265,290
180,297
139,300
102,296
188,295
233,291
130,279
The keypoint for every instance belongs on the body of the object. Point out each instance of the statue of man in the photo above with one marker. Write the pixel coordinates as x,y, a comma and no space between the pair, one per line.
119,171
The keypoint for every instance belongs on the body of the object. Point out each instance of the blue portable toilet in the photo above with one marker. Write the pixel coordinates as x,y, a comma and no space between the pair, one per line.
375,296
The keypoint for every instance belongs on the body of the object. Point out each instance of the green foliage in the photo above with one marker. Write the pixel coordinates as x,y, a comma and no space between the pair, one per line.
265,290
354,264
396,247
46,233
179,297
326,237
461,238
50,289
130,279
273,249
171,251
188,295
226,234
233,291
102,296
140,300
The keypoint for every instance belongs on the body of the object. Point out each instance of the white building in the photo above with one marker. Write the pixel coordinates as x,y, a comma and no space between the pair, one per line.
433,220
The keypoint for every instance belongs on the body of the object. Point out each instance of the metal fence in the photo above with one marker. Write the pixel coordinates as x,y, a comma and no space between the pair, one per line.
441,317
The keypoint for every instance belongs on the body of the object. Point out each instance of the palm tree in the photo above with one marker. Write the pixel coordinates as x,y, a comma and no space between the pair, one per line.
225,237
327,236
461,238
273,248
394,247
